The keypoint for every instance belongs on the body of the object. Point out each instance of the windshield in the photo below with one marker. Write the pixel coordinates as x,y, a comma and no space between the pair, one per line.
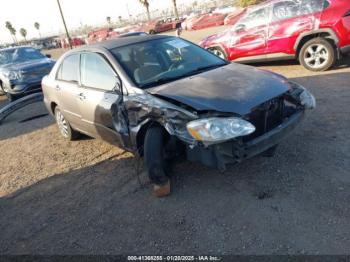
164,60
19,55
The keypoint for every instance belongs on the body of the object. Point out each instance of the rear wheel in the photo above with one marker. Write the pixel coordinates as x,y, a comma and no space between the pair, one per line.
318,54
152,32
63,125
218,51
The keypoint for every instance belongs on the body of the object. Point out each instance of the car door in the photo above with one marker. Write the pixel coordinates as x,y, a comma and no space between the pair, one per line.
290,18
98,99
67,89
250,33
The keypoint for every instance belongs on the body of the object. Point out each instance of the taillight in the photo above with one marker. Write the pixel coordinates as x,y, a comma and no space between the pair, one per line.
347,14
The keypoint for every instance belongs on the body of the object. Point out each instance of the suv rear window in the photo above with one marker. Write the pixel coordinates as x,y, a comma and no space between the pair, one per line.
293,8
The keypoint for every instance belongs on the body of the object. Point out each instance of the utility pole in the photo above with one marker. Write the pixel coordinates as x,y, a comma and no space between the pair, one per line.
65,26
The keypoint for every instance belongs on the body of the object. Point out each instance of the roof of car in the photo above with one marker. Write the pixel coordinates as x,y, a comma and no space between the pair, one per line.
15,47
124,41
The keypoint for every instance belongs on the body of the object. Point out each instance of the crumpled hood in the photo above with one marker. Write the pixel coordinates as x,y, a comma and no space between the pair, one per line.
29,65
233,88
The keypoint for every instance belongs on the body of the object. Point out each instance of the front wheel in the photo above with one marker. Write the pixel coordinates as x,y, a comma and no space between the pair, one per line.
63,125
318,54
218,51
154,156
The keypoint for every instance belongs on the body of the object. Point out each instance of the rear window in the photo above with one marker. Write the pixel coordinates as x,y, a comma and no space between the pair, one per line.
294,8
69,69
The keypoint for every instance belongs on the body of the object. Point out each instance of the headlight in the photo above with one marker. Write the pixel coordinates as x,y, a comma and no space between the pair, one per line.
219,129
305,97
13,75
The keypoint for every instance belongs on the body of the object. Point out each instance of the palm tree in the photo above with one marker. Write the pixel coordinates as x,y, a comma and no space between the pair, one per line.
175,9
145,3
23,32
37,27
108,19
12,30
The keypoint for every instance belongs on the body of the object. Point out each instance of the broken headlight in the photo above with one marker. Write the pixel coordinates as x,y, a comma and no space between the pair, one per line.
13,75
219,129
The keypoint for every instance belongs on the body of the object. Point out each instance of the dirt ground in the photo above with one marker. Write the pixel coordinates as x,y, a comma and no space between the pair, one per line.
88,197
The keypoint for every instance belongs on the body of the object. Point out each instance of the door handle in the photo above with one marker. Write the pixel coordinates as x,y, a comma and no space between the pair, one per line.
81,96
57,88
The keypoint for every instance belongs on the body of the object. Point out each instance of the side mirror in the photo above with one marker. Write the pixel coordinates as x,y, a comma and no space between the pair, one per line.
48,55
240,28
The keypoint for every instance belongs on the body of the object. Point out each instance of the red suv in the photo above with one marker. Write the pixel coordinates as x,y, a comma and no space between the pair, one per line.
316,32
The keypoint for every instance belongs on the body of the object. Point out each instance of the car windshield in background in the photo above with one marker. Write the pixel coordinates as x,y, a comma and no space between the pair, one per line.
164,60
19,55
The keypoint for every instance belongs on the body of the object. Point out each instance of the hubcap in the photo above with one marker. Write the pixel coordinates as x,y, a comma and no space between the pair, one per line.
316,56
218,53
62,124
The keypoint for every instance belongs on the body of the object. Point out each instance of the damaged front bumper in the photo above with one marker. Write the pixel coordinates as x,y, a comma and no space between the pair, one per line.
220,155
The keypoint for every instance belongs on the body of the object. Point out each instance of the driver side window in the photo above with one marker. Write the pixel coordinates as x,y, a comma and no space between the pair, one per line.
255,19
96,72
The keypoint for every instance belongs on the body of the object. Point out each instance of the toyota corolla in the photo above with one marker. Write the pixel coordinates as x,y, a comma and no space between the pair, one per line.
162,97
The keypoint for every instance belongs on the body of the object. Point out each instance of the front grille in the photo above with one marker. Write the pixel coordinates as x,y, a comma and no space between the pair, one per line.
266,117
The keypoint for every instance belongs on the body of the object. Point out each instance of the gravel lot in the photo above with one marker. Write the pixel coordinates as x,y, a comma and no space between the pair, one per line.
88,197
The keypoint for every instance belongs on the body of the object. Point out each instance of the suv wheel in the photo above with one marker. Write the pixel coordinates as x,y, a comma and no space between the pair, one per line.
64,126
317,54
218,51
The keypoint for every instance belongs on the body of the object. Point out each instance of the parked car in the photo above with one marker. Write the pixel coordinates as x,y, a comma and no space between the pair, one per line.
204,21
21,71
316,32
233,17
161,97
159,26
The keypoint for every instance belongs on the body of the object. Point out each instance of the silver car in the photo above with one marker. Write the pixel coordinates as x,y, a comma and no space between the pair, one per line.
161,97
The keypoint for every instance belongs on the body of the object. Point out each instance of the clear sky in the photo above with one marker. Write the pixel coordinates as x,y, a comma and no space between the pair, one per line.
24,13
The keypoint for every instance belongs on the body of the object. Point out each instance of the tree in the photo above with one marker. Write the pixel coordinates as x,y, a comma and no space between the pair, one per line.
37,27
175,9
108,19
245,3
12,30
23,33
145,3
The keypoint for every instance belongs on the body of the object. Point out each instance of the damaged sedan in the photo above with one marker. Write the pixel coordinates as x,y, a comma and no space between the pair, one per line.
162,97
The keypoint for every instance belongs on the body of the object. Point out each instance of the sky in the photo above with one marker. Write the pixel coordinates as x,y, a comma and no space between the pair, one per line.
24,13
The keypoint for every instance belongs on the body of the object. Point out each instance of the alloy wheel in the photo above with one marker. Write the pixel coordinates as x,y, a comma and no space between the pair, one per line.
316,56
62,124
218,53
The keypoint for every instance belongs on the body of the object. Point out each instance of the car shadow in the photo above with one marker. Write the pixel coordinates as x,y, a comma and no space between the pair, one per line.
342,63
25,120
263,205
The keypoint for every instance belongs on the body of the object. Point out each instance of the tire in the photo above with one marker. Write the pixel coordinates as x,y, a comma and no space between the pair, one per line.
218,51
317,55
11,97
155,162
63,125
152,32
2,92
